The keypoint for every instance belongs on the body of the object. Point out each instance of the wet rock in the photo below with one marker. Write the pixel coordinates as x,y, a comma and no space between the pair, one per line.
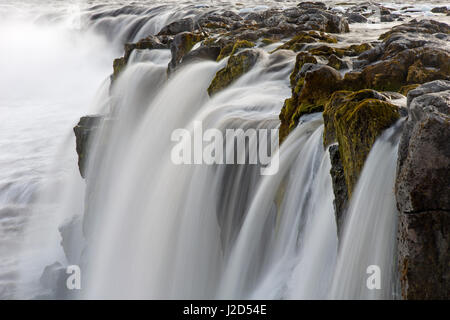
439,10
355,120
419,27
237,65
356,18
339,186
84,131
182,25
422,191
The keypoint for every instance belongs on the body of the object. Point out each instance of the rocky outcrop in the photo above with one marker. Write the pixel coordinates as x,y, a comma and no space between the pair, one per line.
180,46
339,186
422,191
84,131
355,120
237,65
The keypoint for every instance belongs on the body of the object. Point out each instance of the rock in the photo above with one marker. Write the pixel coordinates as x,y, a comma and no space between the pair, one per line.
418,27
237,65
312,5
339,187
355,120
84,131
181,45
422,192
439,10
356,18
176,27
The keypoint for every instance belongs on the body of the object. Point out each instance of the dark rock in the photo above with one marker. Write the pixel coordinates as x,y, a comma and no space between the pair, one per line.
439,10
422,191
84,131
339,187
356,18
312,5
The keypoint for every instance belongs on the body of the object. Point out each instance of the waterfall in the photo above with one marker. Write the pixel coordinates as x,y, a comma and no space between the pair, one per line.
142,227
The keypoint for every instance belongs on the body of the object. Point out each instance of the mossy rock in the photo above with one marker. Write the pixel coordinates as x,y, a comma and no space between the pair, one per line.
268,41
232,47
355,120
237,65
316,88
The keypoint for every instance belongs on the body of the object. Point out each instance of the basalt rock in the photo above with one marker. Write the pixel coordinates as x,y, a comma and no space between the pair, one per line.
84,131
422,191
237,65
232,47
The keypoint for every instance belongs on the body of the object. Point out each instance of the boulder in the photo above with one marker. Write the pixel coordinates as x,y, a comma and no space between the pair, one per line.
180,46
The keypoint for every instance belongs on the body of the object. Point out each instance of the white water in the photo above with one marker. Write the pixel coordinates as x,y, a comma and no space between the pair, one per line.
156,230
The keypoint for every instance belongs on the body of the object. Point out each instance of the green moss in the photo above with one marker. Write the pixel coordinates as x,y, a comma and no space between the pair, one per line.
357,49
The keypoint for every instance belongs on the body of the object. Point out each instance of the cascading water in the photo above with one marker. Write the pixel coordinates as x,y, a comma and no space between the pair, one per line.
141,226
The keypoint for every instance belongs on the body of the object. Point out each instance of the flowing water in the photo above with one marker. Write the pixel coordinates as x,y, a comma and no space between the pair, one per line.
153,229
